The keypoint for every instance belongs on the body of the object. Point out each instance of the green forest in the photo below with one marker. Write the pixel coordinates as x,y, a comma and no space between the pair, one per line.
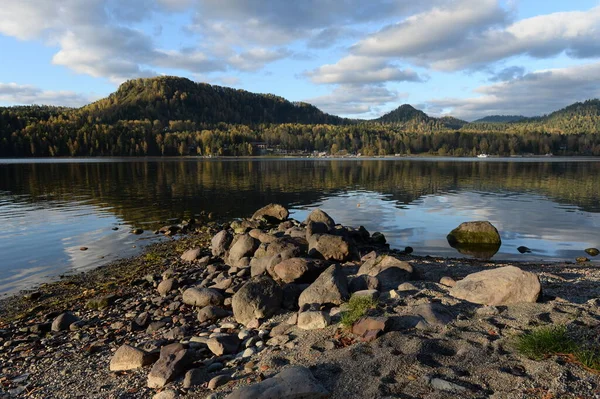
170,116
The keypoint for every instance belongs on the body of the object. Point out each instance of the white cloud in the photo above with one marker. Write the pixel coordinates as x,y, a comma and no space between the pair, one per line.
356,100
533,94
12,93
469,34
357,69
256,58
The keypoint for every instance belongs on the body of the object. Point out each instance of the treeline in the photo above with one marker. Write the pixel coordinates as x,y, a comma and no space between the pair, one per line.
58,136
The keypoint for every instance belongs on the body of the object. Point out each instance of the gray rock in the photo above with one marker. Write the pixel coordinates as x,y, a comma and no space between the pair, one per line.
260,297
166,286
298,270
220,243
313,320
63,321
330,288
173,361
372,294
191,255
295,382
260,266
244,246
223,345
287,247
363,282
218,381
330,247
389,270
319,216
503,286
129,358
194,378
166,394
202,297
211,313
272,212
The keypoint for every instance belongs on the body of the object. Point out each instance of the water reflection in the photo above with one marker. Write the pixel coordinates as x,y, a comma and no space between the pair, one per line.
49,210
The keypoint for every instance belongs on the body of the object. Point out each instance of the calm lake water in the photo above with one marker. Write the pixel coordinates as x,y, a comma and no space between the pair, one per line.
51,208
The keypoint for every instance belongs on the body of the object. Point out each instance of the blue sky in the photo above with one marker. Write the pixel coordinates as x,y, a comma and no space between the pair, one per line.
467,58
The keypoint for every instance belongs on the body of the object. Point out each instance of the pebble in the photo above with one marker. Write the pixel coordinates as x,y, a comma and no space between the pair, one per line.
218,381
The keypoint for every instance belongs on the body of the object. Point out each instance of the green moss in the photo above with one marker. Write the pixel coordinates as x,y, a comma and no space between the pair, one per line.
358,306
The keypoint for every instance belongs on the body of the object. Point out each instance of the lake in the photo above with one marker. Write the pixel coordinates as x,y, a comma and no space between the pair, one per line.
51,208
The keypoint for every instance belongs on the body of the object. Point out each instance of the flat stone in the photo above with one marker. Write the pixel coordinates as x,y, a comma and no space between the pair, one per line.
502,286
272,212
313,320
295,382
370,327
129,358
173,361
223,345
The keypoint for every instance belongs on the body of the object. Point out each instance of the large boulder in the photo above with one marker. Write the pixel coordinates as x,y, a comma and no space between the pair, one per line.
298,270
295,382
474,233
260,297
260,266
272,212
330,288
318,216
129,358
389,270
243,246
220,242
503,286
202,297
330,247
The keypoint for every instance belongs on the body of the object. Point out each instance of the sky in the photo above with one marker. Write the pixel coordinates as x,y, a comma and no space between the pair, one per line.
353,58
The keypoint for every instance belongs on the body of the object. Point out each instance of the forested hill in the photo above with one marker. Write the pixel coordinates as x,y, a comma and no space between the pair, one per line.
170,98
175,116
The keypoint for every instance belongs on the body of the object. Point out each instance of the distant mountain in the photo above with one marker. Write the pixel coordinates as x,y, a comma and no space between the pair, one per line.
168,98
586,109
500,119
407,114
402,114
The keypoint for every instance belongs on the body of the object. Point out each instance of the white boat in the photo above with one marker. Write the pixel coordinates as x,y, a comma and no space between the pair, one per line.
482,156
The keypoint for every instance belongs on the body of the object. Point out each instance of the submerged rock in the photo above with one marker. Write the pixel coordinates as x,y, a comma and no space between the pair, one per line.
503,286
469,233
592,251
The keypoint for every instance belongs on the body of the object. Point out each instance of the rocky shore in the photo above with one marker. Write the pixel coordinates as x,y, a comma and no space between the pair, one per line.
270,307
